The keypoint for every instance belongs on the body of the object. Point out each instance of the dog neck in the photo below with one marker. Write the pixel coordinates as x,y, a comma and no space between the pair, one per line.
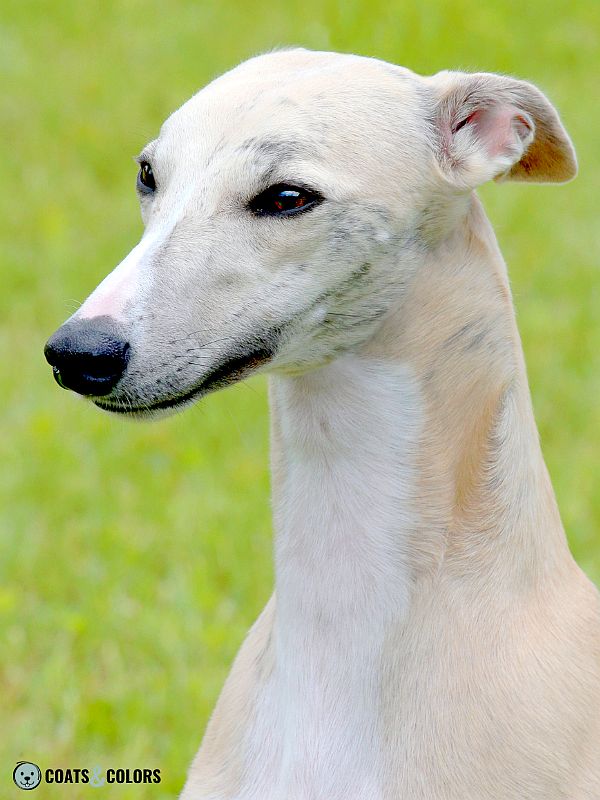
415,455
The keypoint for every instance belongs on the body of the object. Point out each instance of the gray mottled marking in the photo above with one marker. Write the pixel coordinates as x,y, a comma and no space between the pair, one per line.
278,149
470,335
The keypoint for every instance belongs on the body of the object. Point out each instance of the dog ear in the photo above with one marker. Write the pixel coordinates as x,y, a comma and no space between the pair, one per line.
493,126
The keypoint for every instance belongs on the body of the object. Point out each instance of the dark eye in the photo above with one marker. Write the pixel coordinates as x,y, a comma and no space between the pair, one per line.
145,178
283,200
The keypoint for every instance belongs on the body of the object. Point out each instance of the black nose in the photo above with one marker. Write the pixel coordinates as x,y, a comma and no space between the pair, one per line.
88,355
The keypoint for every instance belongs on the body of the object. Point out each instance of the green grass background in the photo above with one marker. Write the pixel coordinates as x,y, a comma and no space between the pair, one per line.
134,557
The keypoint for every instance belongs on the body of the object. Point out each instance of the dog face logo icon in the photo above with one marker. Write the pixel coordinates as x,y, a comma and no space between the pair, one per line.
27,775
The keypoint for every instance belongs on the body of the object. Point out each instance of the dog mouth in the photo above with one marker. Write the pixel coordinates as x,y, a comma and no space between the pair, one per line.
227,372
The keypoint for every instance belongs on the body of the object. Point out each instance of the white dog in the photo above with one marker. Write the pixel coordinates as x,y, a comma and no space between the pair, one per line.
313,215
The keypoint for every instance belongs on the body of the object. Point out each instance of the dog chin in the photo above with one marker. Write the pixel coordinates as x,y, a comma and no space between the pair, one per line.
146,412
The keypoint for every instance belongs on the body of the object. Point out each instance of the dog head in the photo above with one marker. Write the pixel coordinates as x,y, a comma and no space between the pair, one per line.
286,207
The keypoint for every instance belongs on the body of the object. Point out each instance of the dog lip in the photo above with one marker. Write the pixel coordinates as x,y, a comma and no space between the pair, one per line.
229,371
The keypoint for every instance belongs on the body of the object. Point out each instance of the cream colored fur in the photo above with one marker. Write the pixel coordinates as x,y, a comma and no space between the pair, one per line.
430,636
486,684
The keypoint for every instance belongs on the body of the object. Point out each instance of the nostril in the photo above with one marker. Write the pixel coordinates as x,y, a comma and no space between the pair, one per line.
58,377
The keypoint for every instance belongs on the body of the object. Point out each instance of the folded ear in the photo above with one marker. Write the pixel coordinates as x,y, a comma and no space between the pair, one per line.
493,126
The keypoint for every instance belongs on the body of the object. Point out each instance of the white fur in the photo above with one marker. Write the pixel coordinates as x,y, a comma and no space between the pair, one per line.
342,517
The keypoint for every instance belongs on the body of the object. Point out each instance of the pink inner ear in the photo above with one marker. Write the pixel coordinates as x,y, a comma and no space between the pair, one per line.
497,126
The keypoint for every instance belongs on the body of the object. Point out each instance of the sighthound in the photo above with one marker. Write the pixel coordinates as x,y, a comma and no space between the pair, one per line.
313,216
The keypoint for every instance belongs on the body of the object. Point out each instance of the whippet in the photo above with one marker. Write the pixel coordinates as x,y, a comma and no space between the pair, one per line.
313,216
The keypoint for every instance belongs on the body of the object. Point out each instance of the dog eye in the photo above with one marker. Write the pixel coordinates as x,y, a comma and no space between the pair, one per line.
145,179
283,200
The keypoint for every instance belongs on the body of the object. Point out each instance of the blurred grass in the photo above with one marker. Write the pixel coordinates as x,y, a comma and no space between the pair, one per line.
136,556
